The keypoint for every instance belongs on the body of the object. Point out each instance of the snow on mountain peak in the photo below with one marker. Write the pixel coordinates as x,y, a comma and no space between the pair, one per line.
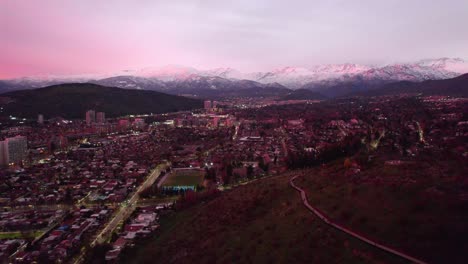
298,71
296,77
343,69
456,65
167,73
224,72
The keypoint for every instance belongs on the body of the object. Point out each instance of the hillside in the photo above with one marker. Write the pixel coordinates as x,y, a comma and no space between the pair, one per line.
131,82
261,222
337,88
265,221
212,87
457,86
400,205
304,94
216,88
73,100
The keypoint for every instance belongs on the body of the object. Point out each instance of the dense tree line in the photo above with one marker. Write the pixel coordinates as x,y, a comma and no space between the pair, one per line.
303,159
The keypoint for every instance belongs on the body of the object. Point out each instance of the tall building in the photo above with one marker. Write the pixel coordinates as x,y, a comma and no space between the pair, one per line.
90,117
40,119
124,123
215,104
3,153
178,122
228,122
100,117
215,121
207,104
139,123
13,150
58,142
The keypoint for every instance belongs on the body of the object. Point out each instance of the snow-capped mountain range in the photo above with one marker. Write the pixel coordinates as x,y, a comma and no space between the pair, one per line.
321,77
296,77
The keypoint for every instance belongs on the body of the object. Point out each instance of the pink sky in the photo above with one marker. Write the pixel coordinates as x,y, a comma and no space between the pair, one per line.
83,37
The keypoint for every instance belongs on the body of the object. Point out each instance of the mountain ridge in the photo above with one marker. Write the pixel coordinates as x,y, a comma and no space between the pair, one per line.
457,87
330,80
73,100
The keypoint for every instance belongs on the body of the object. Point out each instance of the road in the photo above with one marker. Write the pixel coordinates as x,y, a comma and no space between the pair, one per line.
47,231
126,208
163,179
124,211
234,137
285,149
283,141
348,231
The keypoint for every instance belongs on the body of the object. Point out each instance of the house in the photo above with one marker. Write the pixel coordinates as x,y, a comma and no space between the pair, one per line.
112,255
119,243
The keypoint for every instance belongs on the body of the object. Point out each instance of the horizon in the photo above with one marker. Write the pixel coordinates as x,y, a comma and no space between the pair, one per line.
80,38
137,72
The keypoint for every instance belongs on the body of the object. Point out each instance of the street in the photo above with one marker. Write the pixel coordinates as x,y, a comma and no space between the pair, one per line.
127,207
124,211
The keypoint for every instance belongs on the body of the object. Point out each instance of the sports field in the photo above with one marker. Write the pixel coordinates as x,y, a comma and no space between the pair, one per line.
184,178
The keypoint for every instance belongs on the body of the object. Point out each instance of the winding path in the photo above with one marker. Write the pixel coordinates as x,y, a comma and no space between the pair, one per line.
347,231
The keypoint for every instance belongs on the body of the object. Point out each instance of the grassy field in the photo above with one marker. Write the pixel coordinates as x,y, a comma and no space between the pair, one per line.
261,222
17,234
184,179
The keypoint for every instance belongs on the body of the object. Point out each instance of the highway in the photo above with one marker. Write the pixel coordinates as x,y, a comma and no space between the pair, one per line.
348,231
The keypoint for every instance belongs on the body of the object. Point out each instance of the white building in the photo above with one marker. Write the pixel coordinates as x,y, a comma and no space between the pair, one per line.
40,119
139,123
13,150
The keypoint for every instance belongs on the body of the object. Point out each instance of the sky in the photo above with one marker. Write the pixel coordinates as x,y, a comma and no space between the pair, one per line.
60,37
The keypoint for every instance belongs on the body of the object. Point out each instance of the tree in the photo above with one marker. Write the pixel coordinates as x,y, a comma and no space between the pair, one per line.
347,163
210,174
27,235
236,177
250,171
229,169
264,166
96,254
227,176
68,199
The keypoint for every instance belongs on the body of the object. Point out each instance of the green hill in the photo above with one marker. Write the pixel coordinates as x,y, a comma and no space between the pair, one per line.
74,99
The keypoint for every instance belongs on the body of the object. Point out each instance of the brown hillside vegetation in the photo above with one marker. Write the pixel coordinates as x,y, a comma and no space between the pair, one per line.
412,207
261,222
